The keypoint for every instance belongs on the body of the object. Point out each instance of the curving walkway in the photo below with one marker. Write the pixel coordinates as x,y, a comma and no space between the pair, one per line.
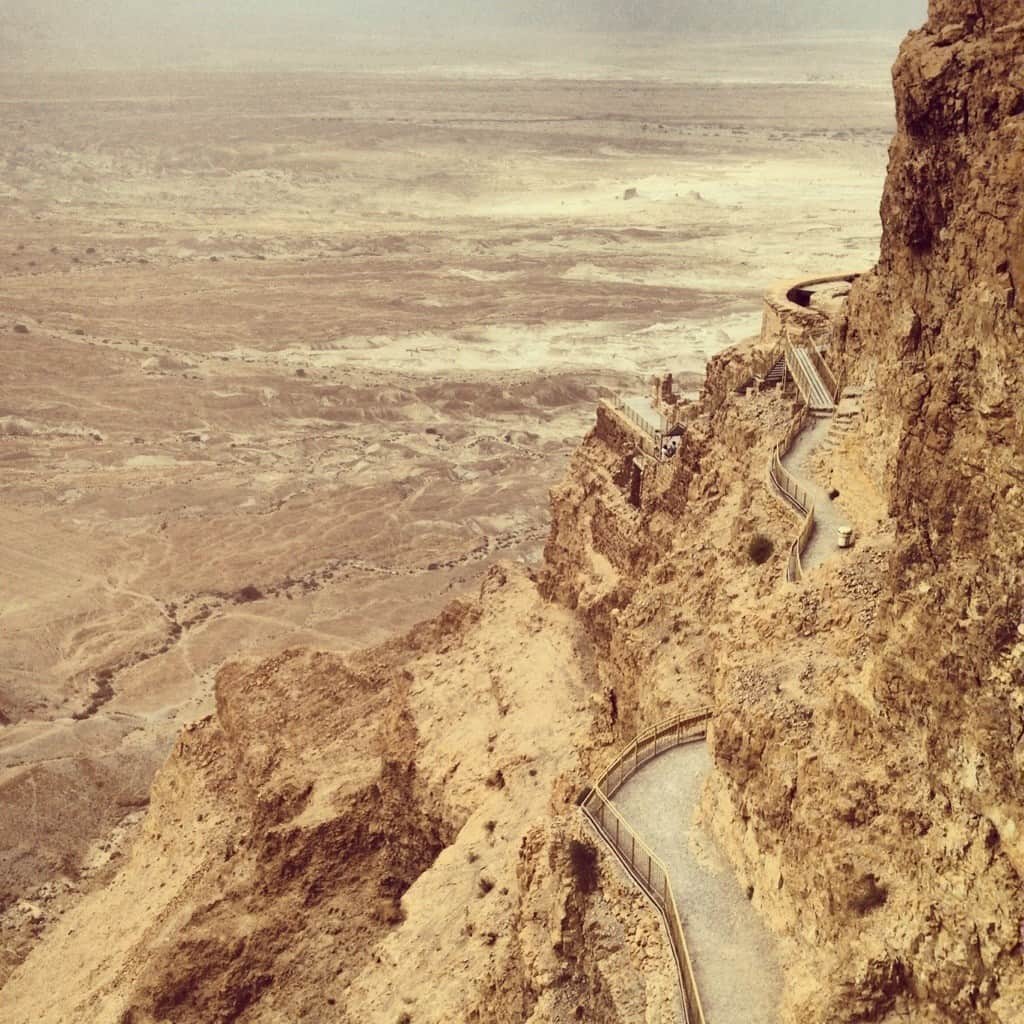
733,953
822,544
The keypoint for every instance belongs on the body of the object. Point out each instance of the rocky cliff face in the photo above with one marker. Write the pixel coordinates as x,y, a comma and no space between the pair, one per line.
391,837
940,327
870,746
918,877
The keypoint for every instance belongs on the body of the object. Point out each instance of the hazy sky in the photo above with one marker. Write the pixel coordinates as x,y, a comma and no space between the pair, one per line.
142,33
727,16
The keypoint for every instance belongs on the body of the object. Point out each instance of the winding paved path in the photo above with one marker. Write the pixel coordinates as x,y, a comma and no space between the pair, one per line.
734,954
822,544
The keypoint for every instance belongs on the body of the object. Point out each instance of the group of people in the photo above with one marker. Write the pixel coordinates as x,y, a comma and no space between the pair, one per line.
669,447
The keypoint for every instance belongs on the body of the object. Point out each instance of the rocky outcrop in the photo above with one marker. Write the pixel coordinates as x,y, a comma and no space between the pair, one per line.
918,878
387,837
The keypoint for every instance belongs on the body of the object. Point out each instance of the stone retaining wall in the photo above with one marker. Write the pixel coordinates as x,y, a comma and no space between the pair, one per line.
782,313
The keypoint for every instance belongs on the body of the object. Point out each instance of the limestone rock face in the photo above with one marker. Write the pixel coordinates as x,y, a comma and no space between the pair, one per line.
381,838
940,327
932,732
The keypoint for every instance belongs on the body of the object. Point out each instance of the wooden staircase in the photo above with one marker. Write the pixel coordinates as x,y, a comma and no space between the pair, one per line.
804,369
776,375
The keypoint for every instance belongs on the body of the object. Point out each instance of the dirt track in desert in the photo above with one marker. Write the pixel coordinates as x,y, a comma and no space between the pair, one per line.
290,358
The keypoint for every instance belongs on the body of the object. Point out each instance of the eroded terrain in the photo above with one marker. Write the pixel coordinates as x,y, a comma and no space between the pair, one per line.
290,358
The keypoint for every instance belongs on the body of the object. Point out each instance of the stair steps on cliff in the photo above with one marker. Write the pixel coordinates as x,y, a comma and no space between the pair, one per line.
776,375
818,398
848,409
844,425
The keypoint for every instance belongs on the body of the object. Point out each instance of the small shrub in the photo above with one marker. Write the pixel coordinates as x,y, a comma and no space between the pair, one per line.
249,593
583,858
389,911
868,894
486,885
760,549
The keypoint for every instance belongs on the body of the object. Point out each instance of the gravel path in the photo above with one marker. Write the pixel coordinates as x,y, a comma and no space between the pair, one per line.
822,545
734,954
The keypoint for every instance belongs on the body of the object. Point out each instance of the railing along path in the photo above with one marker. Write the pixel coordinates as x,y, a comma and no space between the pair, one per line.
826,374
651,436
639,860
820,390
789,488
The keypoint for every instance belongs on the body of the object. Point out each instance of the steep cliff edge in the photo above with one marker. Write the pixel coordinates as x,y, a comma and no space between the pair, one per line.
382,838
913,856
869,734
941,325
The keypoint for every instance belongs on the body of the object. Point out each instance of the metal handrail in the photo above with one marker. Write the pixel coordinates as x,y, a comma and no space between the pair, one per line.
786,484
795,566
789,488
649,437
827,376
784,481
646,868
799,374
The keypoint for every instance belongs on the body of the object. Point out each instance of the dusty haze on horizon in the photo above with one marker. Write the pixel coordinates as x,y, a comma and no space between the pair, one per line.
136,31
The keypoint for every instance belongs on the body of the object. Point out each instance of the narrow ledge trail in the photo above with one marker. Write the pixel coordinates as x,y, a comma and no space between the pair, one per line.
734,954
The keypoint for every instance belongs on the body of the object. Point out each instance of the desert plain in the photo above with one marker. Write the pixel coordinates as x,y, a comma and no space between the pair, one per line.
291,354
